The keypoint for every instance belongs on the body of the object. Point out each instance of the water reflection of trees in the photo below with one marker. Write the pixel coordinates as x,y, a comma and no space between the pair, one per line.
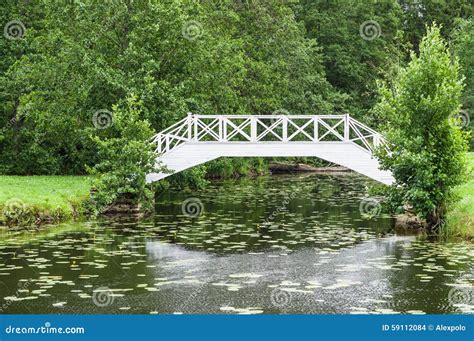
284,208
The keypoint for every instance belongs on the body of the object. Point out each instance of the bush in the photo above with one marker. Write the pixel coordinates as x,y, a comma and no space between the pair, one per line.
427,143
126,155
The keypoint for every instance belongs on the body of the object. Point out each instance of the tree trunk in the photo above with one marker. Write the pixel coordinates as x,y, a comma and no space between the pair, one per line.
435,219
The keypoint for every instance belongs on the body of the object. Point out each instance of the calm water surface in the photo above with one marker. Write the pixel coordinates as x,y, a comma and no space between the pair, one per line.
280,244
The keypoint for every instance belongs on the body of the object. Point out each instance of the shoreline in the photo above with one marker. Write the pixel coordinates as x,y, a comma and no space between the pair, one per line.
37,201
282,168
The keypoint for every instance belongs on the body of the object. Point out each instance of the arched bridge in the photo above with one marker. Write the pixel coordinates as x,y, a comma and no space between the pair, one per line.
339,139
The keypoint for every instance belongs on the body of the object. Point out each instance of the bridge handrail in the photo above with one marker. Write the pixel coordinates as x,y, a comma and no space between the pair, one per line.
223,128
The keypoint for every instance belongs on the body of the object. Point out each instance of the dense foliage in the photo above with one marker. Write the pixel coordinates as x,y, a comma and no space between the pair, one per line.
125,158
150,62
446,13
361,42
175,56
463,45
206,57
427,144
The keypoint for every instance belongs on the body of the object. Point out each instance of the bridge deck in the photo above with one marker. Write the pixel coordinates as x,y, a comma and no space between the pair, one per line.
347,154
338,139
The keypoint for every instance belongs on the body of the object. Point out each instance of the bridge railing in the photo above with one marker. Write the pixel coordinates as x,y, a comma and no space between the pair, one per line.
268,128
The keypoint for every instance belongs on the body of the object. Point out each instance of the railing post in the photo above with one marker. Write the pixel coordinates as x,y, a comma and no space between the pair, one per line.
195,124
316,128
285,128
376,140
190,126
346,127
159,144
221,131
253,129
224,129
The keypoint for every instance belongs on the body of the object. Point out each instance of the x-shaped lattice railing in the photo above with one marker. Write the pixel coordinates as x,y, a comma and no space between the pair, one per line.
268,128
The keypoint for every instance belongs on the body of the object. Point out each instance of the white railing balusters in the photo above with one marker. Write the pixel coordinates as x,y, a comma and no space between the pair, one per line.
346,127
244,128
376,140
300,129
190,126
253,129
316,129
221,130
159,142
331,129
285,128
224,130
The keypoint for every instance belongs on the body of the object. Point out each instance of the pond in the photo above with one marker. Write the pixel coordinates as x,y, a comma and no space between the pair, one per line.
307,244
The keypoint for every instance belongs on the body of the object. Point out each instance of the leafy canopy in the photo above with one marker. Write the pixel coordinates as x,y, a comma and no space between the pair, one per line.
427,143
125,158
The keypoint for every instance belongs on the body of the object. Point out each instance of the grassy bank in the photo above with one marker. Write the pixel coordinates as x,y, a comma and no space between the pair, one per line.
461,216
25,200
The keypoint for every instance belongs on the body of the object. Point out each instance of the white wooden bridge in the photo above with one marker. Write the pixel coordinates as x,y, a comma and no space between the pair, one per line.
339,139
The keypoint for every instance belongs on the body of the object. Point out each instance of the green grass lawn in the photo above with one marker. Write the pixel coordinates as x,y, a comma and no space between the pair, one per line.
44,194
461,216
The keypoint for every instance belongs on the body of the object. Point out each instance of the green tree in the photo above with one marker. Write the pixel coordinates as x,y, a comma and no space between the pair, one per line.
361,43
125,158
427,144
175,56
419,13
463,43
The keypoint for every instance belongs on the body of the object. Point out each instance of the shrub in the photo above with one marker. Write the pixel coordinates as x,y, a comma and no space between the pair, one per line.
126,155
428,145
